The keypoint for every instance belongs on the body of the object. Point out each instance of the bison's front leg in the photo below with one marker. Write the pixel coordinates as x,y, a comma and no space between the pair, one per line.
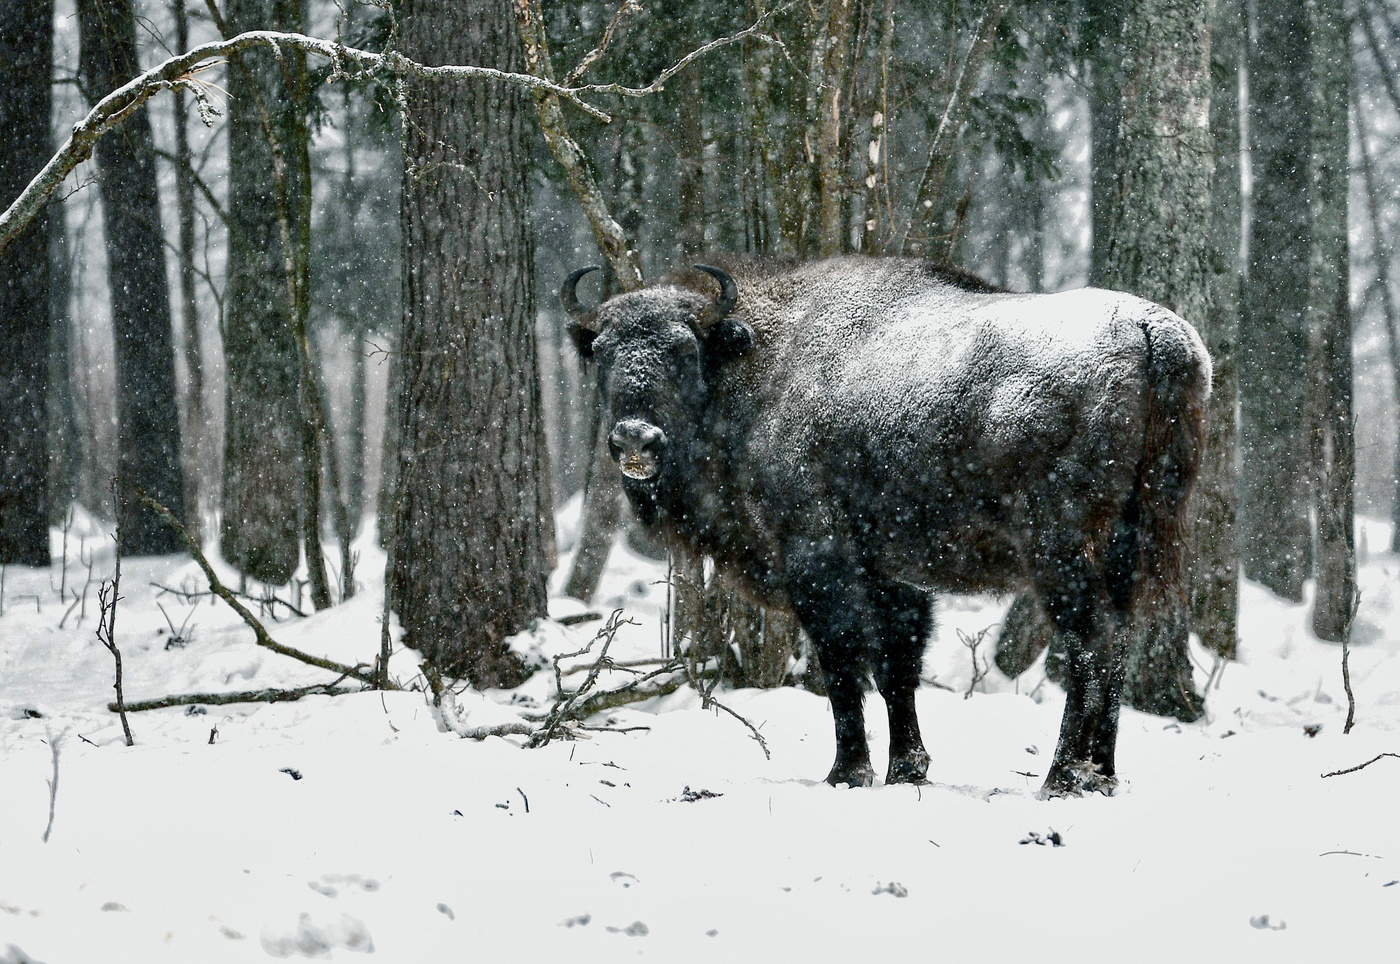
822,587
905,617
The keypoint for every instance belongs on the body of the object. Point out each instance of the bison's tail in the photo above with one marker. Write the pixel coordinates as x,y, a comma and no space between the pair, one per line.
1178,386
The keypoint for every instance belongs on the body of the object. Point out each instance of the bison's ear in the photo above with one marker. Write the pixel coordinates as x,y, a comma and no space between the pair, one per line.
727,339
583,339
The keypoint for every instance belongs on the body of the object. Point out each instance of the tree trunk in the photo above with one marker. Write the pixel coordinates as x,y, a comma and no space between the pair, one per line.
1381,254
1215,565
1274,526
1103,28
148,422
1329,321
194,425
831,165
472,547
262,486
26,65
1159,249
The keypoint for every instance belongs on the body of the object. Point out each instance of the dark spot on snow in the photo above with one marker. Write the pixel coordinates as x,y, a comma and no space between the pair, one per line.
503,806
195,710
1391,884
580,921
712,933
446,911
1313,729
607,783
893,887
1053,838
634,929
230,933
1227,733
292,772
113,905
325,890
32,713
690,796
458,813
1262,923
1033,750
622,877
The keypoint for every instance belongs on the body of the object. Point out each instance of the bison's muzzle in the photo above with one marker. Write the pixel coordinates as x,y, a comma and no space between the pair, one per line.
637,445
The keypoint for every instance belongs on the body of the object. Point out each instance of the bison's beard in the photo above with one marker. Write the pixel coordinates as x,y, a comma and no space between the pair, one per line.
644,499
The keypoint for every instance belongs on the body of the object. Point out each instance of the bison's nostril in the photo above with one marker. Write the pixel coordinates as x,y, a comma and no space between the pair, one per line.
636,445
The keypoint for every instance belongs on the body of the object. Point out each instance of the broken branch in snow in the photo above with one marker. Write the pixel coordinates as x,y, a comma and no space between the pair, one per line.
1346,667
263,638
53,783
241,696
108,593
1360,766
564,704
707,700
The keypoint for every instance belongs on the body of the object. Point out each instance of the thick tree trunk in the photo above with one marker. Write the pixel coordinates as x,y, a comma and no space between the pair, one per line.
1159,249
1215,564
1329,321
1274,526
148,421
262,485
1103,28
26,59
472,547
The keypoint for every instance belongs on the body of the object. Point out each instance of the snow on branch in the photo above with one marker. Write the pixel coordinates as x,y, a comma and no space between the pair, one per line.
182,70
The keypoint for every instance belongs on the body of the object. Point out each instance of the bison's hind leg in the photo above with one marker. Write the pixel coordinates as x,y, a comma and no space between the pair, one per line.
1078,598
904,617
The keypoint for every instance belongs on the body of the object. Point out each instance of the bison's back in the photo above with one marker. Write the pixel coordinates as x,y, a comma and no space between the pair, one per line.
943,427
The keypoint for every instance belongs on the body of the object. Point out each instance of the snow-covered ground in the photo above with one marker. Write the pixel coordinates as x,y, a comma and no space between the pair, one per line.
335,826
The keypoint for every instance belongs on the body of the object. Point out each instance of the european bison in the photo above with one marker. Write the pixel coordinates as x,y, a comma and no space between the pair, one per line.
845,437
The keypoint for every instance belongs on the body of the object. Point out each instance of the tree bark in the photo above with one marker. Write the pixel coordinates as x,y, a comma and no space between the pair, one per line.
194,425
262,486
1103,28
1329,321
1215,565
472,547
148,424
1274,525
26,64
1381,255
1159,248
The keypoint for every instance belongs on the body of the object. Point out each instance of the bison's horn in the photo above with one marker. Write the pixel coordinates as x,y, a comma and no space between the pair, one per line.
568,294
728,295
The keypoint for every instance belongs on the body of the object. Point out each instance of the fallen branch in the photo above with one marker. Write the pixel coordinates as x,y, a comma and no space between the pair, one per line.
1360,766
241,696
564,704
53,783
259,631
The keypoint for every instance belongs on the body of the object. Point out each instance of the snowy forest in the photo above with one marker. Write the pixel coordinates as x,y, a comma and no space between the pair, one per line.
326,626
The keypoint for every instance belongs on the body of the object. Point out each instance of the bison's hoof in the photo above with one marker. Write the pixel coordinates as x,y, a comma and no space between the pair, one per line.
852,775
908,768
1077,779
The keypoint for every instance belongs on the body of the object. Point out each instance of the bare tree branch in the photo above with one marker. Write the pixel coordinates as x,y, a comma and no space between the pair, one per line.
1360,766
180,72
262,637
940,152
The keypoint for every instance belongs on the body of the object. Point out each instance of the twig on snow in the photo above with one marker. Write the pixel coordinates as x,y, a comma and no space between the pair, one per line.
1360,766
53,782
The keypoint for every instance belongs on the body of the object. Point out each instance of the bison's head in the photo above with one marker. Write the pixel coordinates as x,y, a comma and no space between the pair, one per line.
657,352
